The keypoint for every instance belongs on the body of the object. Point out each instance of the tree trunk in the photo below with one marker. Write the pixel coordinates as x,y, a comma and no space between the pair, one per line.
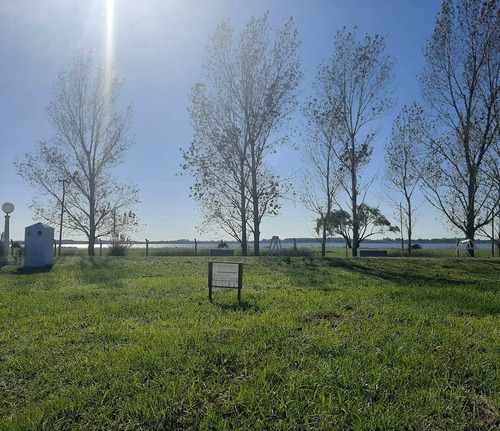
255,201
410,227
354,201
355,239
471,231
91,215
91,242
244,247
470,237
244,240
329,202
256,231
323,240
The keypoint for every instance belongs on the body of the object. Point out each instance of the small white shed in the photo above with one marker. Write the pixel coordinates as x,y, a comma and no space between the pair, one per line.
39,246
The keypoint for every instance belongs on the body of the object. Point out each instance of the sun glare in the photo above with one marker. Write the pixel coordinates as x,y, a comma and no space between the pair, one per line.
110,13
110,6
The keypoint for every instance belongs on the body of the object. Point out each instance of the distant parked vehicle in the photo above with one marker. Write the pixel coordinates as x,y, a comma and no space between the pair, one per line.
416,247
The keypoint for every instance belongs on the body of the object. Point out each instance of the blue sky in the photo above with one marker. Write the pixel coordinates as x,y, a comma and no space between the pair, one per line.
158,47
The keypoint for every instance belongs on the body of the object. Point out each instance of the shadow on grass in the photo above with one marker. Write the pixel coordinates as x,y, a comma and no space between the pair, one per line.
242,306
434,288
29,271
89,262
458,286
95,270
405,277
405,274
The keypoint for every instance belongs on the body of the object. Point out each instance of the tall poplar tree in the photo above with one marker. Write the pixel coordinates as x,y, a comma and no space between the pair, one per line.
355,90
239,113
403,168
461,85
322,177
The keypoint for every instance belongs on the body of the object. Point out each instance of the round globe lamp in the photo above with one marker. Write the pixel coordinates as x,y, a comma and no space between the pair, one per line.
7,208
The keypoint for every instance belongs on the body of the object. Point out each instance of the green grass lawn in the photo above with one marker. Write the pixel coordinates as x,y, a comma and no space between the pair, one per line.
349,344
300,252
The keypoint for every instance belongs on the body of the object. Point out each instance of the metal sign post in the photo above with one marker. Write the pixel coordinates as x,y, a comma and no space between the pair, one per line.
226,275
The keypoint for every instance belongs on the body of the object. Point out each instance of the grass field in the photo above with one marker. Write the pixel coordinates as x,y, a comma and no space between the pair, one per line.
335,344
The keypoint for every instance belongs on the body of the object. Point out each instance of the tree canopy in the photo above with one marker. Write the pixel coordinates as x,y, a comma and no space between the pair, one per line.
371,222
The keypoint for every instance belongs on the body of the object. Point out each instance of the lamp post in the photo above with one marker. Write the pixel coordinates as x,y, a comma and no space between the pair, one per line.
7,208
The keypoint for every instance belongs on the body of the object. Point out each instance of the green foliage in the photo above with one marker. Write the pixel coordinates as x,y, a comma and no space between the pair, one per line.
117,250
333,344
19,256
371,222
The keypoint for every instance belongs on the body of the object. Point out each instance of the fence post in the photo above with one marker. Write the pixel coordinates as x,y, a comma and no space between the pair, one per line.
147,247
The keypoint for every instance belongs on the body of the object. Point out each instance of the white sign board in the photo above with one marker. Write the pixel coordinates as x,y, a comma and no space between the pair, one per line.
225,274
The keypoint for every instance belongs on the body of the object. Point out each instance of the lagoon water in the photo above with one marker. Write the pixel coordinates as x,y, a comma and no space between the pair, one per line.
289,244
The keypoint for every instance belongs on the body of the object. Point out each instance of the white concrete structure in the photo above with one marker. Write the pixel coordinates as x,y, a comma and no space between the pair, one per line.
39,246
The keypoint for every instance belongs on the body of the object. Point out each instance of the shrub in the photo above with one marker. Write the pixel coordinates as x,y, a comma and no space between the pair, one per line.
119,245
19,256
